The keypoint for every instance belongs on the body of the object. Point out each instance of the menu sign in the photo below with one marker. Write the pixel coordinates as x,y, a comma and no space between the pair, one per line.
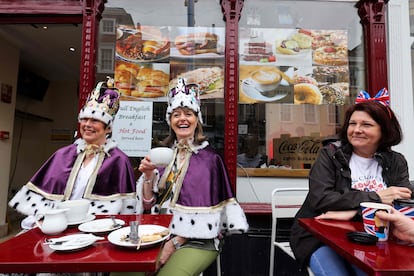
132,127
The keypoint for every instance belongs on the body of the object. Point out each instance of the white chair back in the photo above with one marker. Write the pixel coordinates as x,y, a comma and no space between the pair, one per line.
286,202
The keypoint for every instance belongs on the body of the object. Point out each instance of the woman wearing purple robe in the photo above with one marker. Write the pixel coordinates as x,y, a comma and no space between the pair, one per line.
195,188
93,167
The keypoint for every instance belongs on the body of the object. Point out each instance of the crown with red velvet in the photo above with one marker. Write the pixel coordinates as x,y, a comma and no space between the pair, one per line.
184,95
102,104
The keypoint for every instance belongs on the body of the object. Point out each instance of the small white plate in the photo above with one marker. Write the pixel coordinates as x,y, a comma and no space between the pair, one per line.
117,237
89,217
74,242
100,225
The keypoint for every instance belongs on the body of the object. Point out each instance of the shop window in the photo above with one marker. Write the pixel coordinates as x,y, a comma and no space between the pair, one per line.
303,64
299,67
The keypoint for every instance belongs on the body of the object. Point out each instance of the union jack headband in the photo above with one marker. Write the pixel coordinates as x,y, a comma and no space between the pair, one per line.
382,97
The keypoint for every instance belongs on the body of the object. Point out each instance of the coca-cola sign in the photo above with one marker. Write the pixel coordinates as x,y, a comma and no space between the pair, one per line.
308,146
296,152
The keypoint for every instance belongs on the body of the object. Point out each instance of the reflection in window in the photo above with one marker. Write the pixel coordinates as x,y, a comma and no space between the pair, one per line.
108,26
286,113
310,114
106,58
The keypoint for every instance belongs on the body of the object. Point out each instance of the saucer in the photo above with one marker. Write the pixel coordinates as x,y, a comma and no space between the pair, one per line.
100,225
73,242
88,217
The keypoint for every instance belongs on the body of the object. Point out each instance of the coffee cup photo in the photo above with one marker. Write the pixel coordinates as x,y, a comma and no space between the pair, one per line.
264,80
372,224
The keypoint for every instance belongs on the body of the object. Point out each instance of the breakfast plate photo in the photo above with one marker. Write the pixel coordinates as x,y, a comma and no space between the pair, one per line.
101,225
146,232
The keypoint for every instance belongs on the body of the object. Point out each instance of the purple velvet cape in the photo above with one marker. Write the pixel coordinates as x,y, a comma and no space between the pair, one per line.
206,182
116,174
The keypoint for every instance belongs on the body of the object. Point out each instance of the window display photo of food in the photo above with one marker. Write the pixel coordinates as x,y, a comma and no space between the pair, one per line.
210,80
143,44
315,88
330,47
266,83
136,81
197,43
281,47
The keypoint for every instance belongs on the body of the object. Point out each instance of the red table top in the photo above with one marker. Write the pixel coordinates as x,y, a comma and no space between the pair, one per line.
27,253
384,258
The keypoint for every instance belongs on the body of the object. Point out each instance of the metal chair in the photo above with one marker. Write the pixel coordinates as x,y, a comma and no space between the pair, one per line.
285,204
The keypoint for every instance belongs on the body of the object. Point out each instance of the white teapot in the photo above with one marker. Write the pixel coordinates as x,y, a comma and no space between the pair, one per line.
54,221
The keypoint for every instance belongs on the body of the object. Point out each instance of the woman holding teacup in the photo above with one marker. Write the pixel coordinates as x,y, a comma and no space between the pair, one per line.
359,167
194,187
92,168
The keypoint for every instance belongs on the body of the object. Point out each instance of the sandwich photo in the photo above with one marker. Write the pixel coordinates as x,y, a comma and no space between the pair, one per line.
151,83
209,79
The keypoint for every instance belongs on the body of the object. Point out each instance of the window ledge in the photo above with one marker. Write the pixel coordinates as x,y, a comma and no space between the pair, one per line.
272,172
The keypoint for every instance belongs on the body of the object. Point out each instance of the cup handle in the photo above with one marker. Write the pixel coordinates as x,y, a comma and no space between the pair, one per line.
38,217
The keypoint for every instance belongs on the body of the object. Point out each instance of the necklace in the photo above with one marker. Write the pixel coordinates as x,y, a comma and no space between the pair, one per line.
92,150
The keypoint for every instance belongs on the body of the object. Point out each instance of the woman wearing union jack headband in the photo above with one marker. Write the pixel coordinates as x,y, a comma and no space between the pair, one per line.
358,167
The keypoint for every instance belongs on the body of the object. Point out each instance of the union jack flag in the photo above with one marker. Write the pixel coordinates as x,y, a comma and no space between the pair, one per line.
368,215
382,97
406,210
380,231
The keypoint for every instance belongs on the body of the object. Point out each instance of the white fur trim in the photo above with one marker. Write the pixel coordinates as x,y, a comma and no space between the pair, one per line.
28,203
206,225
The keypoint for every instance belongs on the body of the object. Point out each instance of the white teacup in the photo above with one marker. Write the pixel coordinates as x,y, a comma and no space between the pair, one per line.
77,210
161,156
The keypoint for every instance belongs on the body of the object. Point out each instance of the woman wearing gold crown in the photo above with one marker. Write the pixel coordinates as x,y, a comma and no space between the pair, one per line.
194,187
93,167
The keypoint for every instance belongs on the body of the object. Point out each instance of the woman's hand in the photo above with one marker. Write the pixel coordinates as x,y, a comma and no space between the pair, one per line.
166,253
169,249
338,215
147,167
401,225
390,194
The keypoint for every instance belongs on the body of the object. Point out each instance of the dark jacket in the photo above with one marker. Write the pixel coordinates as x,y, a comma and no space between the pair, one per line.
330,190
